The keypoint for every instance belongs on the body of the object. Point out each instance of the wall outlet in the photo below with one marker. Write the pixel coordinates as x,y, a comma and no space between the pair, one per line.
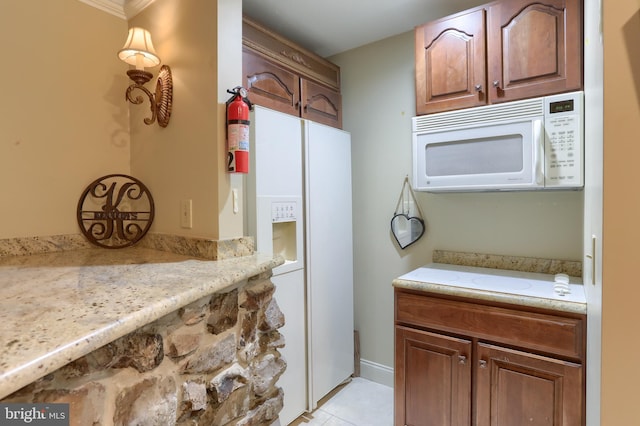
186,215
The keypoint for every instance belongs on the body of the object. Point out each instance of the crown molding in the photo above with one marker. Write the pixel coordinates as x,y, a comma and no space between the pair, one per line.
123,9
133,7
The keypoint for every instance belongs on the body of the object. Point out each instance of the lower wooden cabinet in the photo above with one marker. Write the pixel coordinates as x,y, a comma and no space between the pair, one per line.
433,379
519,388
461,374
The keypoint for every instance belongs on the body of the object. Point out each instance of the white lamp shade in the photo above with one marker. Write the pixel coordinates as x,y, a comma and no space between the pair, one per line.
138,49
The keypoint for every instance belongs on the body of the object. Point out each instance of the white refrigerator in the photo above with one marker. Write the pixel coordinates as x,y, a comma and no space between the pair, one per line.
299,205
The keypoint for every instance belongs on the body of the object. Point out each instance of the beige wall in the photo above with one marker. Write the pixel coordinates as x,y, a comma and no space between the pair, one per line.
185,160
621,293
63,120
229,75
378,93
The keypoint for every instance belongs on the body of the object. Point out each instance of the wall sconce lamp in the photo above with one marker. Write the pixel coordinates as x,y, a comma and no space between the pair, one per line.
138,50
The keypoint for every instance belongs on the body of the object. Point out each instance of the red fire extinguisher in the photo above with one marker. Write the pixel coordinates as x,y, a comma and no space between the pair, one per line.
238,107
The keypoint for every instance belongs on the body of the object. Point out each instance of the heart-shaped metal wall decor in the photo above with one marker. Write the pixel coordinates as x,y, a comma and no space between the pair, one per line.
406,230
407,225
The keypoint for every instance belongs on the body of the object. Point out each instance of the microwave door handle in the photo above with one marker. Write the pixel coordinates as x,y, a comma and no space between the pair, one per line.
538,151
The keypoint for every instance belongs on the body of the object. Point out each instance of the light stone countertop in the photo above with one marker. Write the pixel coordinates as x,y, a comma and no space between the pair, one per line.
57,307
494,285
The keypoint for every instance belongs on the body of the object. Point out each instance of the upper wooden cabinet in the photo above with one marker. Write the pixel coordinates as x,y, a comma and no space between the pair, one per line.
270,85
502,51
320,104
450,63
534,49
285,77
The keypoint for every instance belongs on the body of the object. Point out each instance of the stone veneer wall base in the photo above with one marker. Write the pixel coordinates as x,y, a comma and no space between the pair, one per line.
213,362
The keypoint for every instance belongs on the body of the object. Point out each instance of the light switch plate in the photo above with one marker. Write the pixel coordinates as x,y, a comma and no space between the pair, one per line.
186,215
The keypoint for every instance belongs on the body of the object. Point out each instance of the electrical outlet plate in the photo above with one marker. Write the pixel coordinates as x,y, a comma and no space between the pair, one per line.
186,215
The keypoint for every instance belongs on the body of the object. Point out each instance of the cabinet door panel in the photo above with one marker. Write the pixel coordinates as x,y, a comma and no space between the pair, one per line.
450,63
321,104
432,379
518,388
269,85
533,49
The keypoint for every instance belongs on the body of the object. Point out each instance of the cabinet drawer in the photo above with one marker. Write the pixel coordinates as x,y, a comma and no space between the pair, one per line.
546,333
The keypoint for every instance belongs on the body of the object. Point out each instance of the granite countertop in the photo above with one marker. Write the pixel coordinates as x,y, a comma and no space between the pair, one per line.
496,285
57,307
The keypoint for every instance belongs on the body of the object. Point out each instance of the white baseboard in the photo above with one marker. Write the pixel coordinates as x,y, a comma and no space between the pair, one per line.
376,372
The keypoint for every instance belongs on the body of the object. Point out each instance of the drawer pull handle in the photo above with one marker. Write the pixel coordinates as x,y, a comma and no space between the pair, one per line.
462,359
478,87
483,363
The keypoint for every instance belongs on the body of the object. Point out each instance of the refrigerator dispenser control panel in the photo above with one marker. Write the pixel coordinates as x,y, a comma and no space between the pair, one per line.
283,211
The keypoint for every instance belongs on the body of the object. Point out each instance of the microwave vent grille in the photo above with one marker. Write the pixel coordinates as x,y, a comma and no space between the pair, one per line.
473,117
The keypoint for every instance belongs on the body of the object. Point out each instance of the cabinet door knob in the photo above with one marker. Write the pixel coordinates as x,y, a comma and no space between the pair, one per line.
496,83
462,359
483,363
478,87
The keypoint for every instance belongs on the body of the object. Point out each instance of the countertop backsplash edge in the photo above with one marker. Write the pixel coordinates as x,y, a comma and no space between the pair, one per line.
513,263
189,246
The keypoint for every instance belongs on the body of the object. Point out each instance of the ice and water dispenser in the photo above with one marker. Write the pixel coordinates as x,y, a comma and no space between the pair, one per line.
279,229
284,218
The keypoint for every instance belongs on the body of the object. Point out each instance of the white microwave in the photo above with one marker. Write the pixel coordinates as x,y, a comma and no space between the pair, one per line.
532,144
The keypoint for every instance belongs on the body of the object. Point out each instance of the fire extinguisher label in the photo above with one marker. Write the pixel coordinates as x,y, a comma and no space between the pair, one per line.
238,137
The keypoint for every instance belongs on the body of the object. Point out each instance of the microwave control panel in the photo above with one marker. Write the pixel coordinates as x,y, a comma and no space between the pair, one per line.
564,124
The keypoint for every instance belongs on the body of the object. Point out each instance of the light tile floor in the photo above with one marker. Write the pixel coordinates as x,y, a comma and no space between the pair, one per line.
359,402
